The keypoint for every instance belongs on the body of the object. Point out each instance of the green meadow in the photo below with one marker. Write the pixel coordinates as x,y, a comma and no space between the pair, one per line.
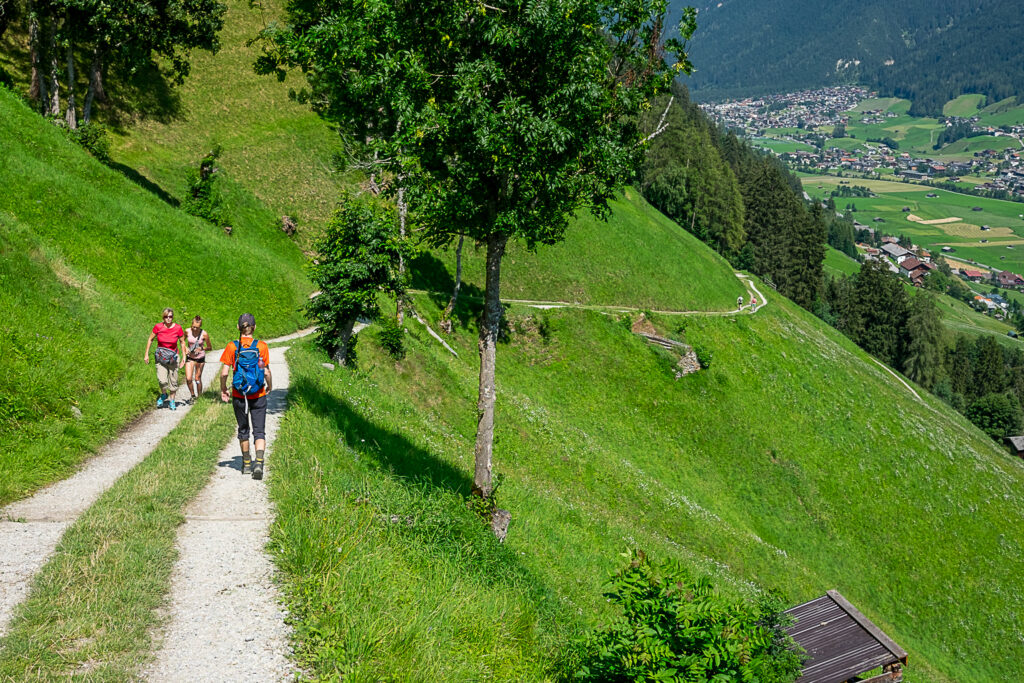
838,264
829,474
964,106
633,259
963,235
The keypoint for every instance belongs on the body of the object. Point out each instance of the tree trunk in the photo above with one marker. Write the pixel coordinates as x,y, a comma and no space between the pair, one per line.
344,339
487,344
403,212
53,68
446,317
37,90
71,116
95,87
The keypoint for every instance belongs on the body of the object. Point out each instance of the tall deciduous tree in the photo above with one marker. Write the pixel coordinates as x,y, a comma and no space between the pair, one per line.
517,114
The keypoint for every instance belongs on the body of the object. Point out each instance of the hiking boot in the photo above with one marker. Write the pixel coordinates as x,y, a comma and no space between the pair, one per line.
160,401
174,406
246,465
257,470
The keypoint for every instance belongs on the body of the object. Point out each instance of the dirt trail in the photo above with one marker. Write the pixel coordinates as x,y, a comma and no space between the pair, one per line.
226,623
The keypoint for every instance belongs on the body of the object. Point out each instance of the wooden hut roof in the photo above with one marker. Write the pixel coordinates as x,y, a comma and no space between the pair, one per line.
840,641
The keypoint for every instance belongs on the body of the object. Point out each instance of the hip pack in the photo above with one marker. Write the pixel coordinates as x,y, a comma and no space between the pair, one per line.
166,357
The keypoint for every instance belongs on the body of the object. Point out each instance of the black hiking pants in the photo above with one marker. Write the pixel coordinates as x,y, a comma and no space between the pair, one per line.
256,416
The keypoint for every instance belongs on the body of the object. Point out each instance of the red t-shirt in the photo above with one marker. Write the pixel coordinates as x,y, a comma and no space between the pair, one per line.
167,337
228,358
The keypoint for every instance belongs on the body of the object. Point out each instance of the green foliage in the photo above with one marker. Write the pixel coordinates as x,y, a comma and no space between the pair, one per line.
997,415
516,158
93,138
203,198
676,627
357,258
900,49
922,361
704,356
684,176
392,337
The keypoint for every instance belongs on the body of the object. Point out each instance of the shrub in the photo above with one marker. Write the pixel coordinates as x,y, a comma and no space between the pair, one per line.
93,138
675,627
203,199
704,356
392,337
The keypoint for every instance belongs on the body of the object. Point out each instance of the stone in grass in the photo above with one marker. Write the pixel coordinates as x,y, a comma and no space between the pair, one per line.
329,366
76,412
499,523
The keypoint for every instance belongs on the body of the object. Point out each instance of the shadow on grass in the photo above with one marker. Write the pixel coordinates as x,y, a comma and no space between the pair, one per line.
394,453
144,182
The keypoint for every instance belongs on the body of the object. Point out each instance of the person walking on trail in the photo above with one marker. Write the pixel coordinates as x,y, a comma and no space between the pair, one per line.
168,353
197,340
739,303
248,362
753,302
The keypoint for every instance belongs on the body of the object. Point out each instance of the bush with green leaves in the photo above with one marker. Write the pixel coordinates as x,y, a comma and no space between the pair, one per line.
203,199
392,337
676,627
93,138
357,257
704,356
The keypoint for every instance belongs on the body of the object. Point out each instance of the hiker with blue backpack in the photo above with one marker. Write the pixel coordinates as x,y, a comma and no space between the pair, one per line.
247,360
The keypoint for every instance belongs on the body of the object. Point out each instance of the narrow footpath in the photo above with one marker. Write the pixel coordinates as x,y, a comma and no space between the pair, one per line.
225,618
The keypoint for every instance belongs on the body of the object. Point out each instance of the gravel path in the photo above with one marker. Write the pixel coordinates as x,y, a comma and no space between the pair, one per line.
226,622
30,529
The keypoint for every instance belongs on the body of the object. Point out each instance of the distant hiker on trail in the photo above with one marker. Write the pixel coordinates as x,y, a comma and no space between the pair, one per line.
198,342
168,352
248,362
739,303
753,302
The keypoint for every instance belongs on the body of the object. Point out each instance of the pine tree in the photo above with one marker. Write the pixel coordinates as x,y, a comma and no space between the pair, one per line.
923,361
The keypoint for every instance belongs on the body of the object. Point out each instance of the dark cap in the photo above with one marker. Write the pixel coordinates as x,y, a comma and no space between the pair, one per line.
246,319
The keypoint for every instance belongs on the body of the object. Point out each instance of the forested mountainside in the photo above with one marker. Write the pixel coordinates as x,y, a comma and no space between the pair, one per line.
928,51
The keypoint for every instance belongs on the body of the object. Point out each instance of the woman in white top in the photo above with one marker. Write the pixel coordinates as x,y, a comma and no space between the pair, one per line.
197,341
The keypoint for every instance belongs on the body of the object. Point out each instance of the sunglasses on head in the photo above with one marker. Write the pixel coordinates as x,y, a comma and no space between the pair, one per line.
168,316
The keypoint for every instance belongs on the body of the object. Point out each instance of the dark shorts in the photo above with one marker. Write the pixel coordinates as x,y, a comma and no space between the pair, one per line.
196,360
257,417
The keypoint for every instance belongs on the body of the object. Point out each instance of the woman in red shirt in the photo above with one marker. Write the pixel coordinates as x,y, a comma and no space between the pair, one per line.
168,352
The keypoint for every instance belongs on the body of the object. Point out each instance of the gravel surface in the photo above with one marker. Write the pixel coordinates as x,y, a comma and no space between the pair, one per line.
226,622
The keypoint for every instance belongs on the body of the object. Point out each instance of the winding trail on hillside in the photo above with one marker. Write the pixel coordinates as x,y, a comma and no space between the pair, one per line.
613,308
30,529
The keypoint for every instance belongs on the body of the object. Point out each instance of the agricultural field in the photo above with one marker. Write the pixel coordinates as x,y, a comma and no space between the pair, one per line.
964,106
947,219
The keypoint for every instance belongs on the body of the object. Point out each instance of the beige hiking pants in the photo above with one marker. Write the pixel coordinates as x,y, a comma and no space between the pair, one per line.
168,378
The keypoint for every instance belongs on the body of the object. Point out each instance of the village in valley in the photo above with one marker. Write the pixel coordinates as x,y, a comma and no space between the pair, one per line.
846,129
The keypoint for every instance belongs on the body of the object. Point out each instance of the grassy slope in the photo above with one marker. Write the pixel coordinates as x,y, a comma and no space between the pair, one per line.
277,149
794,462
90,259
637,258
963,106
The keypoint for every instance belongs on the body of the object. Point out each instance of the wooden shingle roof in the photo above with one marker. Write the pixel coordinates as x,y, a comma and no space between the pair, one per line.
840,641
